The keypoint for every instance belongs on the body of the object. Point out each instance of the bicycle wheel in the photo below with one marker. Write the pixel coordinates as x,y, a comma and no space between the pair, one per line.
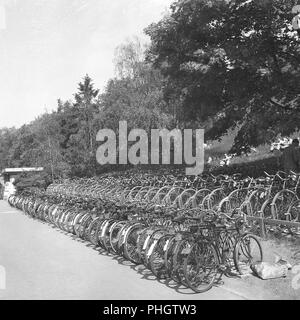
64,222
201,267
105,240
62,219
115,234
101,231
157,257
225,245
71,221
248,251
294,216
142,241
85,228
121,238
57,216
78,222
155,236
181,250
168,257
92,232
130,244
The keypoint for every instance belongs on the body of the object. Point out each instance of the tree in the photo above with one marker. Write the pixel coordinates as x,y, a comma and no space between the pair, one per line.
129,58
136,95
46,131
8,138
234,64
77,128
86,103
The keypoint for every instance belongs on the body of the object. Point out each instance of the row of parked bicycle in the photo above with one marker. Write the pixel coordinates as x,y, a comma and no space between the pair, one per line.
188,230
191,246
269,197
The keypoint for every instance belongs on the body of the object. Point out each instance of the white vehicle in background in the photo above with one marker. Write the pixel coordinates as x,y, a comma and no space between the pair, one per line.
9,189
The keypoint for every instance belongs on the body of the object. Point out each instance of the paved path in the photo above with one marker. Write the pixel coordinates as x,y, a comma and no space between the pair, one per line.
44,263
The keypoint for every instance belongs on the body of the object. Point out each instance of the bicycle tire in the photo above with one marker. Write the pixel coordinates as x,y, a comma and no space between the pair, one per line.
243,257
201,267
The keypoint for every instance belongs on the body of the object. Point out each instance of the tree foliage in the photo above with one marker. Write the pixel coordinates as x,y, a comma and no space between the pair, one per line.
231,64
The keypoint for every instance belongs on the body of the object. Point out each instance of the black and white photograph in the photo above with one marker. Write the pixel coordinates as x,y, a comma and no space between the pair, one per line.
149,151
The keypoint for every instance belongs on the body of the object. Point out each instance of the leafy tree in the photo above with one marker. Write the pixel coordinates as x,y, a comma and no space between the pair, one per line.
46,130
136,94
129,58
8,138
231,64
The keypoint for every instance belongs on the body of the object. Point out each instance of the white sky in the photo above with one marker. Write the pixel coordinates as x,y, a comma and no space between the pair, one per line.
47,46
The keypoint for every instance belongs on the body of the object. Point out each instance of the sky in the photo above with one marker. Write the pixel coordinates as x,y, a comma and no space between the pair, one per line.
48,46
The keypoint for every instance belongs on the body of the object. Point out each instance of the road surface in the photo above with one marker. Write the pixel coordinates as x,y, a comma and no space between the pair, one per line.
44,263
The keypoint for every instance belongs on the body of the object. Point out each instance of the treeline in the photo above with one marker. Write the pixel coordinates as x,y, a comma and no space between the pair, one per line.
64,141
220,65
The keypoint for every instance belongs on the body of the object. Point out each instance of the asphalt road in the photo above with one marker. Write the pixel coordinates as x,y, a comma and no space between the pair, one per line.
41,262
